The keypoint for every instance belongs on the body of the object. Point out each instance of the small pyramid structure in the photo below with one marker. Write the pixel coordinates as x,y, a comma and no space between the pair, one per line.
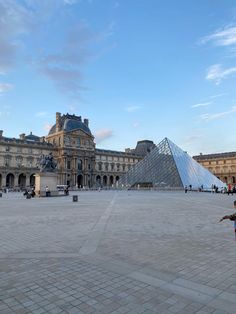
169,166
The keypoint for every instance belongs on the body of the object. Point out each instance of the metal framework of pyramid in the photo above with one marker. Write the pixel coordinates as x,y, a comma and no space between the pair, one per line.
169,166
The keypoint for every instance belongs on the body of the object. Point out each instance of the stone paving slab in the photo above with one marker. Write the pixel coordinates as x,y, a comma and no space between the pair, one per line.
117,252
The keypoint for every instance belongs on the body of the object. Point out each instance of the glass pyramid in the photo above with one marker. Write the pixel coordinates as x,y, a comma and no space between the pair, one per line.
168,166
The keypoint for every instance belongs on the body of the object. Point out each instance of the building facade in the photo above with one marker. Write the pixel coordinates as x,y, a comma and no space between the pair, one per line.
79,162
222,165
19,159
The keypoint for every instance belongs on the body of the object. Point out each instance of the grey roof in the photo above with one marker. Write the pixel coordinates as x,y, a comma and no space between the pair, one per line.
144,147
215,156
13,140
32,137
70,124
114,152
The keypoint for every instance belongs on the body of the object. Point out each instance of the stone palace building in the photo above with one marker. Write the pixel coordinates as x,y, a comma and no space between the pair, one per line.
222,165
79,162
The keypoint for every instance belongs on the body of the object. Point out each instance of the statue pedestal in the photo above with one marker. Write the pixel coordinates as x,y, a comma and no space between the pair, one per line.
44,179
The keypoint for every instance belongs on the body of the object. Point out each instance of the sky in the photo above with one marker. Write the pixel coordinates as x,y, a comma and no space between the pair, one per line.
137,69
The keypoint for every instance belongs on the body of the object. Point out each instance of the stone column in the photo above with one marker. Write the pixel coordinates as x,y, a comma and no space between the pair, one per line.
27,183
16,180
4,180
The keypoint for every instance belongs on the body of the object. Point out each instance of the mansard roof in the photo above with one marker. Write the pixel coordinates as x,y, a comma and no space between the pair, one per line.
215,156
70,123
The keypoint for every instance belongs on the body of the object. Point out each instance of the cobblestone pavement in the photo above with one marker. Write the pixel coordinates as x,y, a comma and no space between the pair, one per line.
117,252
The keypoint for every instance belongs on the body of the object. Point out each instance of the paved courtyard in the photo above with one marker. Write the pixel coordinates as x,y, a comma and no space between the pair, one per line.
117,252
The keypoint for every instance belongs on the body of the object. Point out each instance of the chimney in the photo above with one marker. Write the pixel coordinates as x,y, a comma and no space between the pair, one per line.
58,121
86,122
22,136
1,131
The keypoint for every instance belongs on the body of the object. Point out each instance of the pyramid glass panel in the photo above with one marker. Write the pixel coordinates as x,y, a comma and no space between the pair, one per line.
169,166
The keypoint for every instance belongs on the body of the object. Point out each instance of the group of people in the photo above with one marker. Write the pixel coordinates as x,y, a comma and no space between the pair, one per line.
48,192
29,194
229,189
186,188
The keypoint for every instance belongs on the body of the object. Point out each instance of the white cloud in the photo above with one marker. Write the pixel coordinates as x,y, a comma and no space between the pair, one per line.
223,37
201,104
70,1
64,66
5,112
77,43
217,73
15,21
116,4
193,138
208,117
102,135
217,95
4,87
47,127
132,108
41,114
136,124
72,108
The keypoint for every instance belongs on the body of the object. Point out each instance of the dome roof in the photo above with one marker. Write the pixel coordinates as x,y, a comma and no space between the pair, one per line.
71,123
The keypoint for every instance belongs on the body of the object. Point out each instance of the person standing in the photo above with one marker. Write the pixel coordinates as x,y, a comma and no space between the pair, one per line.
47,191
229,189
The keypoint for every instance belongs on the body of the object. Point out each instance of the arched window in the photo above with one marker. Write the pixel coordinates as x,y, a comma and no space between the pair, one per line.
80,181
10,180
80,164
22,180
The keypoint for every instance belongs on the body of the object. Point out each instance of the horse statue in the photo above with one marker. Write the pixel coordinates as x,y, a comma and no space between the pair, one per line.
47,163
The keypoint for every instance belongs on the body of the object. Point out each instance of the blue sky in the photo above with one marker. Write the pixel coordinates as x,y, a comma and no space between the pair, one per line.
137,69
